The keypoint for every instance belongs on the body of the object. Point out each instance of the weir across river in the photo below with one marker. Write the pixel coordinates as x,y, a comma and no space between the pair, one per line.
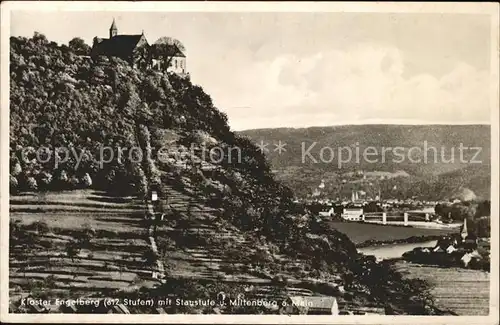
420,219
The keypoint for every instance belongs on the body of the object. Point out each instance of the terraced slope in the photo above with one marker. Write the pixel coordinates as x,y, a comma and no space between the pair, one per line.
466,292
112,258
211,249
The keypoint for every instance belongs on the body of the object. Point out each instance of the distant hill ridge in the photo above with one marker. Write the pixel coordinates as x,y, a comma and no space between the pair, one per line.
382,135
444,164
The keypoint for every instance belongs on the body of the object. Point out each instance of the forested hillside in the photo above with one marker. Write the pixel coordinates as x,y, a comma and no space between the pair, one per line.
62,100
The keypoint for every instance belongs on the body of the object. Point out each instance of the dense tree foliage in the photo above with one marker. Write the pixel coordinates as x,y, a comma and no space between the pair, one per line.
75,113
478,215
79,46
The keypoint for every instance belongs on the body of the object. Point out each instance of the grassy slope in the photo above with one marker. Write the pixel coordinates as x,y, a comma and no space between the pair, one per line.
466,292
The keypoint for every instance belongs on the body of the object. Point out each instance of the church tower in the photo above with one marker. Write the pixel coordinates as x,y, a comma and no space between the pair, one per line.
113,31
464,233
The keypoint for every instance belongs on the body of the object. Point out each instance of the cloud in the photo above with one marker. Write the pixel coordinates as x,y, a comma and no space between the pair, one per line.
364,82
462,95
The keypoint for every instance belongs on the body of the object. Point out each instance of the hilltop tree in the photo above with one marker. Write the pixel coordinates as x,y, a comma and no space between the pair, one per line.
40,39
166,48
79,46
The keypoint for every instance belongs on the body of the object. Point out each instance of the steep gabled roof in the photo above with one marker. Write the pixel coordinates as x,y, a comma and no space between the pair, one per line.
177,52
119,45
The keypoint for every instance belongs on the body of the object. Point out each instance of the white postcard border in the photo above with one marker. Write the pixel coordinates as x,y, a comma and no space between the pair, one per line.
490,9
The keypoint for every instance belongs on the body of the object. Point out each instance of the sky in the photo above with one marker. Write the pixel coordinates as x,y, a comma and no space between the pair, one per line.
301,69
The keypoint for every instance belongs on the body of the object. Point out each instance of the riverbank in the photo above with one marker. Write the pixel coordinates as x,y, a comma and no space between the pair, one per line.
409,240
394,251
417,224
366,234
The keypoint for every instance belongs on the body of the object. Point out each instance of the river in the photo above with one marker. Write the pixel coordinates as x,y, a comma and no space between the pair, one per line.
393,251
